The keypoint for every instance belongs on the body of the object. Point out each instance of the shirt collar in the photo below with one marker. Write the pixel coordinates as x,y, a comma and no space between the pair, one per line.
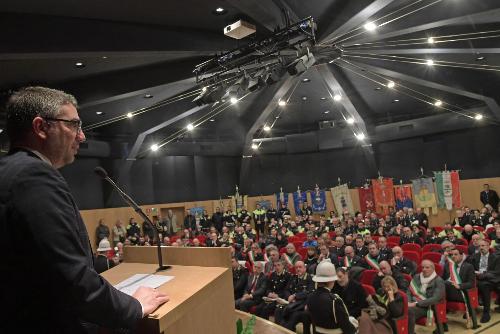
38,154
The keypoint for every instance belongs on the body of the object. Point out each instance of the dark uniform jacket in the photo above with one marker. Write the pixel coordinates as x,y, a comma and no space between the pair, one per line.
320,308
354,297
278,283
301,287
47,279
406,266
240,277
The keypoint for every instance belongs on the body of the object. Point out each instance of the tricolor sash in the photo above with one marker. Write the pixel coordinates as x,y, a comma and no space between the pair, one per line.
288,259
416,291
266,259
347,262
455,278
372,262
251,257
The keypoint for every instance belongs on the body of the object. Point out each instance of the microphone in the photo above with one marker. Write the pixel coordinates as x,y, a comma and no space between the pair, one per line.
103,174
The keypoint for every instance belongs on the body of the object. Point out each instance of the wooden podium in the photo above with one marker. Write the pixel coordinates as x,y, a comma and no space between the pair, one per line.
201,296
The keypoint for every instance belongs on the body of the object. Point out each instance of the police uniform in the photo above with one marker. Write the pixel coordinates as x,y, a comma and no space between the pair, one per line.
277,284
240,277
133,233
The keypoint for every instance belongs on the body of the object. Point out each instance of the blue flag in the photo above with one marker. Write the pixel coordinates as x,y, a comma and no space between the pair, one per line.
318,198
299,197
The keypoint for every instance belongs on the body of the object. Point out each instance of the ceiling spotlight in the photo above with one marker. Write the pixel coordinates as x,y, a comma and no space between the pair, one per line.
394,101
219,11
154,147
430,40
306,80
478,117
323,98
1,130
282,103
391,84
360,136
99,113
267,128
337,97
190,127
429,62
331,61
204,89
378,88
212,120
350,120
130,115
326,111
438,103
79,64
233,100
304,98
148,96
479,58
255,146
370,26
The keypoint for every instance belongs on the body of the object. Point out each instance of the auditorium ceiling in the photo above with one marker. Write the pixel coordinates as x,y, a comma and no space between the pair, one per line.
384,70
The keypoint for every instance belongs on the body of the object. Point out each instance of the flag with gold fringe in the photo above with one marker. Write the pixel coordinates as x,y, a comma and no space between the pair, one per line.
318,199
366,201
424,195
383,194
448,189
342,199
403,197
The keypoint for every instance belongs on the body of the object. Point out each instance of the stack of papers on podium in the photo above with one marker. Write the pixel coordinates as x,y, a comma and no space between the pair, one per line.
131,284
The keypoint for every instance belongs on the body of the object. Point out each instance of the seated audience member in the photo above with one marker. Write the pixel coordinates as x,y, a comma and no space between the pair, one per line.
255,254
487,270
213,241
385,271
388,305
281,241
351,292
422,218
327,310
383,249
225,240
352,260
324,254
240,278
360,249
449,227
402,264
446,247
474,244
458,276
133,231
409,237
239,235
311,259
166,242
374,257
247,246
274,257
195,243
250,232
271,238
291,256
426,290
338,247
102,263
254,290
469,232
450,236
276,288
310,240
432,236
299,288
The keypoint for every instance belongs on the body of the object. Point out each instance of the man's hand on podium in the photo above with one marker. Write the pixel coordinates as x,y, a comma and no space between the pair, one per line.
150,299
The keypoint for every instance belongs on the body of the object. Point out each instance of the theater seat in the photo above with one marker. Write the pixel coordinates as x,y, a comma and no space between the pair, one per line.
439,311
431,248
367,276
474,303
402,322
432,256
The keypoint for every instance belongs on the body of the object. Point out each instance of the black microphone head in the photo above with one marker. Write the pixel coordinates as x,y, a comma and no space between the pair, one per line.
101,172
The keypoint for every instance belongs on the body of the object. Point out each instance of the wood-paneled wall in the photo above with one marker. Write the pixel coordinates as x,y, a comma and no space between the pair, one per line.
470,190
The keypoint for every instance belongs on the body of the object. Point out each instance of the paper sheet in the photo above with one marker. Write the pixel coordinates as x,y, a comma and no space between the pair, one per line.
131,284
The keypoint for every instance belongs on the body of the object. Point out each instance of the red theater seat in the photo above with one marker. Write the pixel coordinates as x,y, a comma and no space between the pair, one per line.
412,247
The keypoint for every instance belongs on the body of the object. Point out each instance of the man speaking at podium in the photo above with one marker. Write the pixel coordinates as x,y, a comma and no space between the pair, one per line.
47,280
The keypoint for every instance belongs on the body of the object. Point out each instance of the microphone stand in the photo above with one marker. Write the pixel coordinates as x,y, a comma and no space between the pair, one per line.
141,213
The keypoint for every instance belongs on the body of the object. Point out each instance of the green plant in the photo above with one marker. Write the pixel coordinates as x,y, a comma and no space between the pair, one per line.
248,329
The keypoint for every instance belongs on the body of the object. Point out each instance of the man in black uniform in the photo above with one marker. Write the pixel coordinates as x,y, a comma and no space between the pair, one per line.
300,286
489,196
218,219
240,276
276,288
321,303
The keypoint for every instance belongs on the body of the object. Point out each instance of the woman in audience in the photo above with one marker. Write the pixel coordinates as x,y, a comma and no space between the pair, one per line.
311,259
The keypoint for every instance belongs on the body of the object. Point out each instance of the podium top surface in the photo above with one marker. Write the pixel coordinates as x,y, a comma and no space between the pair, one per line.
189,284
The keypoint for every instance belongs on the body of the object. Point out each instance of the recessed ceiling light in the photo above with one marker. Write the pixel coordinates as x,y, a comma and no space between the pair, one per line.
304,98
282,103
326,111
478,117
267,128
370,26
323,98
1,130
277,117
99,113
212,120
79,64
391,84
395,100
479,58
350,120
306,80
148,96
219,11
378,88
130,115
429,62
331,61
154,147
233,100
204,89
255,146
438,103
430,40
337,97
190,127
360,136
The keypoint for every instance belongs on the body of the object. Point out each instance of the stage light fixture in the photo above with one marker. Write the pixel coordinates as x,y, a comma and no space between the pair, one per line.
301,64
337,97
209,95
282,103
370,26
130,115
478,117
267,128
360,136
255,146
429,62
438,103
154,147
234,100
190,127
430,40
391,84
350,120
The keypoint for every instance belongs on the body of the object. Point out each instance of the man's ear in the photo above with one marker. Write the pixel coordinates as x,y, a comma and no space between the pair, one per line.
40,127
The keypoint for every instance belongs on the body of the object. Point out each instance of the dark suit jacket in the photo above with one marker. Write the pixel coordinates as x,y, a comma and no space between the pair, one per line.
260,287
466,274
47,277
492,273
489,198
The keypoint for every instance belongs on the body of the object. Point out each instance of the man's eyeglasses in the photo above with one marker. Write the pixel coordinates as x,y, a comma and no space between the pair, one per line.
75,124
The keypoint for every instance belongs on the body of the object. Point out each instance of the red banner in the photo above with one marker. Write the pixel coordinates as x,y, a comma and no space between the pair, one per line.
455,186
383,194
366,201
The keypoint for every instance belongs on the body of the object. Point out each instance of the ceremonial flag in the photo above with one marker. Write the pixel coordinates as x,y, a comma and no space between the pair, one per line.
383,194
197,211
366,199
448,189
424,195
281,197
299,197
264,204
342,199
318,198
403,197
